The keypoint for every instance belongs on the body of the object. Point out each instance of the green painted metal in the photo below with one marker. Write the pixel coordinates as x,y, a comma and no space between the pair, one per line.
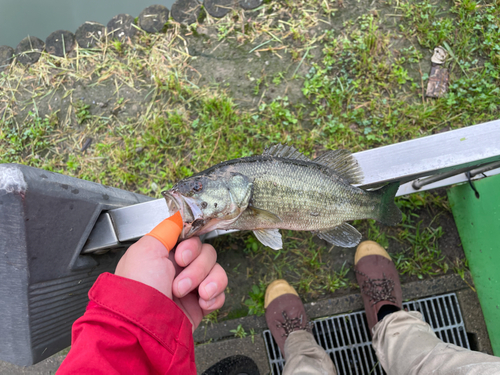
478,223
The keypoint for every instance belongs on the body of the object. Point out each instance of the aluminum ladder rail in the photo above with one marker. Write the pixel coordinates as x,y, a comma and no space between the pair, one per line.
421,164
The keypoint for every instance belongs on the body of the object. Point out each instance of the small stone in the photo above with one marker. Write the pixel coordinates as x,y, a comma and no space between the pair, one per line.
29,50
250,4
60,43
122,27
86,144
90,34
218,8
186,11
438,82
439,56
6,56
153,18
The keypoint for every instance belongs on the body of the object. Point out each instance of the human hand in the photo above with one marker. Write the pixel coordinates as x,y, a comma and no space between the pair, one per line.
198,288
189,276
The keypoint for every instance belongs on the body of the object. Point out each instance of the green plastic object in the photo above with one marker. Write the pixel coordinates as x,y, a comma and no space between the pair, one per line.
478,223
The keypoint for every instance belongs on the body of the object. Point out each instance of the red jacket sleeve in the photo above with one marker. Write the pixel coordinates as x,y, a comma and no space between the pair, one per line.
130,328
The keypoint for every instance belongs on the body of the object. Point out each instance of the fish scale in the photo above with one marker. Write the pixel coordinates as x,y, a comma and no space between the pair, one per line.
293,191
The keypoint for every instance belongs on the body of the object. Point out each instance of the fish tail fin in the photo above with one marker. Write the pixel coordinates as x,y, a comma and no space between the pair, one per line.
389,213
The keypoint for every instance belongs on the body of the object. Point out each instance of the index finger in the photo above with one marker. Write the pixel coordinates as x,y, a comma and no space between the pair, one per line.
191,276
187,251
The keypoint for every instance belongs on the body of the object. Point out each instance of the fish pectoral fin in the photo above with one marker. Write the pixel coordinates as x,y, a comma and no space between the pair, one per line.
343,235
263,216
269,237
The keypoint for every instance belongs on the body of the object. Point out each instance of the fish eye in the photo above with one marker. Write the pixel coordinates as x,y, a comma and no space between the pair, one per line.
196,186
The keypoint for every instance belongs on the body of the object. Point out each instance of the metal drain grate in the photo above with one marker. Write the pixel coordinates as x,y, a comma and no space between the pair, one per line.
345,337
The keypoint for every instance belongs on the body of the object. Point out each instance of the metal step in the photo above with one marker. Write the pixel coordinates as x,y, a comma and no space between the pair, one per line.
345,337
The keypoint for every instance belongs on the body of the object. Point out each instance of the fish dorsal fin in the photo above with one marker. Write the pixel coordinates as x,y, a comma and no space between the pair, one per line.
343,235
269,237
284,151
343,163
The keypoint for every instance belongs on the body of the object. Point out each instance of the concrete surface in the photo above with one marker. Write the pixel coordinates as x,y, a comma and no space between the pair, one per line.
475,326
209,354
47,367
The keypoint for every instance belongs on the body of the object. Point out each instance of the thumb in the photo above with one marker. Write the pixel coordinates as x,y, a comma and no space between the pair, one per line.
168,231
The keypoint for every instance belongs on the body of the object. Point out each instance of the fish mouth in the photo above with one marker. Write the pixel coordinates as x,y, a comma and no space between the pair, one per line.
191,214
172,203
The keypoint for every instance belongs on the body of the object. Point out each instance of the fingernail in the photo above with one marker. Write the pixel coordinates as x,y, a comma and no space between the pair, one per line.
187,255
211,289
183,286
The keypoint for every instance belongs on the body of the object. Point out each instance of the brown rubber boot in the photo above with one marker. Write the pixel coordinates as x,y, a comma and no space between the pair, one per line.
378,280
285,312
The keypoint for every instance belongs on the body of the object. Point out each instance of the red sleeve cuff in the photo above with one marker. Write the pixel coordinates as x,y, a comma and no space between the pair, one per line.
147,308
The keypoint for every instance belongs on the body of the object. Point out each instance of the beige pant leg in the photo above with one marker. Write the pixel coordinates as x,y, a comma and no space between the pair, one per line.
406,345
305,357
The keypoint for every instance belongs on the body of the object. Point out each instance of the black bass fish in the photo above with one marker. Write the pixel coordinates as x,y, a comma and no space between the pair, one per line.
282,189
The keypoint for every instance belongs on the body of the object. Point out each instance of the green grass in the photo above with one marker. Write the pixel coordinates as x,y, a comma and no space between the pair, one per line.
359,90
255,303
82,112
336,279
239,332
28,143
211,318
423,256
